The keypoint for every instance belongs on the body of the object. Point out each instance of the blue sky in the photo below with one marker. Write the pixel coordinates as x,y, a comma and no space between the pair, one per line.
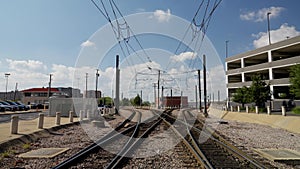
41,37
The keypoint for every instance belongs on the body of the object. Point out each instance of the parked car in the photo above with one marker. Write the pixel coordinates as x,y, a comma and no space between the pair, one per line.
18,107
24,107
11,107
36,106
3,108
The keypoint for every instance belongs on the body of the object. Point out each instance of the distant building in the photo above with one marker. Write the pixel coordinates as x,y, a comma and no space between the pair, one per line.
175,101
70,92
91,94
40,95
37,95
12,95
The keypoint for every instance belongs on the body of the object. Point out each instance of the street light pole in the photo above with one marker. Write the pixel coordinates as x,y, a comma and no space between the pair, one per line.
226,42
228,101
268,16
97,76
6,76
86,83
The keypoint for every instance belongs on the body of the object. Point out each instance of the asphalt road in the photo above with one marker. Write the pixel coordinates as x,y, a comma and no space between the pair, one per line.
6,116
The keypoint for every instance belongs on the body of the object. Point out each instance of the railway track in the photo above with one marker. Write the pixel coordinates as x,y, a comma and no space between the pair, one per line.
215,152
112,150
94,147
116,149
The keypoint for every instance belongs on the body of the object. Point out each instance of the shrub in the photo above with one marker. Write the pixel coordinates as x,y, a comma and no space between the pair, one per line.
296,110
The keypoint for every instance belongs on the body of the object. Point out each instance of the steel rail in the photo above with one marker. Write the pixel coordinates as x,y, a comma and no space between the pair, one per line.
206,162
117,160
218,139
195,153
96,145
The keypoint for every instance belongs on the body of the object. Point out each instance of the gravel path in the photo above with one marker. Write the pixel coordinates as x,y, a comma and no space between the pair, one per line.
255,136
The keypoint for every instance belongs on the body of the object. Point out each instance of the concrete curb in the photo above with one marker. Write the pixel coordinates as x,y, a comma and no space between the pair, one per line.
22,112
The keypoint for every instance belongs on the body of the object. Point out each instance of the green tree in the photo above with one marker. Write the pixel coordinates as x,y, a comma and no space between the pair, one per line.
136,101
125,102
295,80
105,101
146,103
242,96
259,90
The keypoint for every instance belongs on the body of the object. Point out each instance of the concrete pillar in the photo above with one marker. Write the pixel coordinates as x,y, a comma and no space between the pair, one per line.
243,77
231,108
247,109
57,118
71,115
272,89
268,110
88,114
14,124
283,111
239,109
81,114
40,121
256,109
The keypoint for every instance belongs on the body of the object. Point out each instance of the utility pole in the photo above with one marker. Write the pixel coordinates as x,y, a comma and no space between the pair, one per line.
49,88
204,79
86,83
162,96
154,87
6,76
218,96
96,92
196,96
16,88
181,93
117,99
158,106
141,101
171,98
199,86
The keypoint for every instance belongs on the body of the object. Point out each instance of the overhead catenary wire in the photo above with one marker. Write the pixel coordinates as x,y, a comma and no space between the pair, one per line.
124,34
197,29
117,30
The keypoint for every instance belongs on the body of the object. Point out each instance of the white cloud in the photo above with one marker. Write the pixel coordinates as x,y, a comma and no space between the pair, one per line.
184,56
26,65
162,16
262,38
87,44
261,15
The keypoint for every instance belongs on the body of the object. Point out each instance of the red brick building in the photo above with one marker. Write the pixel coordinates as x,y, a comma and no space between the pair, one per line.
175,101
37,95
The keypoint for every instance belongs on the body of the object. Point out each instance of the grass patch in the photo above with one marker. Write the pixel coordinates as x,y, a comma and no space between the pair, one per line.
26,146
6,154
296,110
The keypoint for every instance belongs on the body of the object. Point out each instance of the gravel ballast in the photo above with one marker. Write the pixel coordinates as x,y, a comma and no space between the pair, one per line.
248,135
